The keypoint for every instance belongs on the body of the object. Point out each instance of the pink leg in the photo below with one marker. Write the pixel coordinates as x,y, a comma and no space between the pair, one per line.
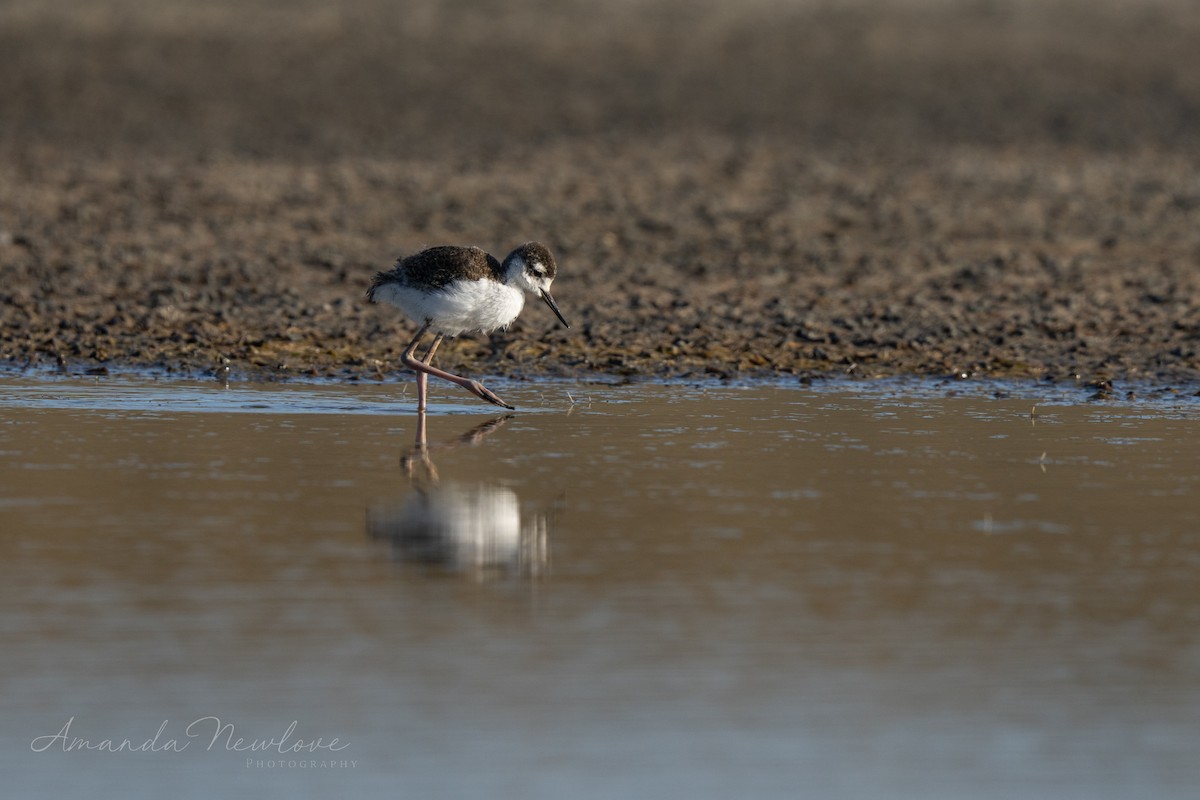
417,365
422,378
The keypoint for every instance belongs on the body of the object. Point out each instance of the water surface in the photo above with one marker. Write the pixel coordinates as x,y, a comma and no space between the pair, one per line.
883,590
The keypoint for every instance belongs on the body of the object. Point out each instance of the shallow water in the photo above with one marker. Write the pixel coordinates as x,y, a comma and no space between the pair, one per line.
875,590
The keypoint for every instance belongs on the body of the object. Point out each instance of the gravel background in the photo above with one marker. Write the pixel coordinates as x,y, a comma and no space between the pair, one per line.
1001,187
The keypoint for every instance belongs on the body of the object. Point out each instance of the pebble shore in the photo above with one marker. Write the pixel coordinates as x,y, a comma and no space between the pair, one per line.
993,189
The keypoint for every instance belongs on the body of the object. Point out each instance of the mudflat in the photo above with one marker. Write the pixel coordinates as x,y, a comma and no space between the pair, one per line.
773,187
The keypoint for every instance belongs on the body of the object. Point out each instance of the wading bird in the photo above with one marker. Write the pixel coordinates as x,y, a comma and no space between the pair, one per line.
453,290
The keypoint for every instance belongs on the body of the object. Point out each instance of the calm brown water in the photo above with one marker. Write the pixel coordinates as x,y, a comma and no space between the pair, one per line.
871,591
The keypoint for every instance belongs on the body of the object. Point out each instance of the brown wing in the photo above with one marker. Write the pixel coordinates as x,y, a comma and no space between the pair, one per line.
436,267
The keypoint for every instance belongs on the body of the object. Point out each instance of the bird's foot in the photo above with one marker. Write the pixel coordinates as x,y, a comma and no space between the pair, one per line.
484,393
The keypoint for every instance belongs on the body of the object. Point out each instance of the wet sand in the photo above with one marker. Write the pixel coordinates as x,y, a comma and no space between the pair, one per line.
789,188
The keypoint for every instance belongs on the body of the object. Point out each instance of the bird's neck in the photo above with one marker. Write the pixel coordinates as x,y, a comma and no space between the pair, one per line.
512,272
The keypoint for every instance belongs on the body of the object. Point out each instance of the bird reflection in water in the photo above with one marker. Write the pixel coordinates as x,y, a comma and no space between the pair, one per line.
475,529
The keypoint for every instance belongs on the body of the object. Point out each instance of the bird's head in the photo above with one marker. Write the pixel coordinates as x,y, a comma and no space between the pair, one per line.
531,266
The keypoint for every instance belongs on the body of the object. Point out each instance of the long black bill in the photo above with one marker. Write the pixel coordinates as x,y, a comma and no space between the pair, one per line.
554,307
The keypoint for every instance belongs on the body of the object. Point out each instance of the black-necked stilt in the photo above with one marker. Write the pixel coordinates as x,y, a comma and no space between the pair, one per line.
452,290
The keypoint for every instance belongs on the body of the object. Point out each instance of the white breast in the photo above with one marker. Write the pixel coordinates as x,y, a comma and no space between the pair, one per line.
463,306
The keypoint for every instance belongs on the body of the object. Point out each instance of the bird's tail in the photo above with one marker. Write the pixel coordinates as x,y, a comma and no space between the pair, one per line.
380,279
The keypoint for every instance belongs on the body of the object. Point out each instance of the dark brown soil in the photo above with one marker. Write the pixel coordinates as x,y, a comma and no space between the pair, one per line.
1001,187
